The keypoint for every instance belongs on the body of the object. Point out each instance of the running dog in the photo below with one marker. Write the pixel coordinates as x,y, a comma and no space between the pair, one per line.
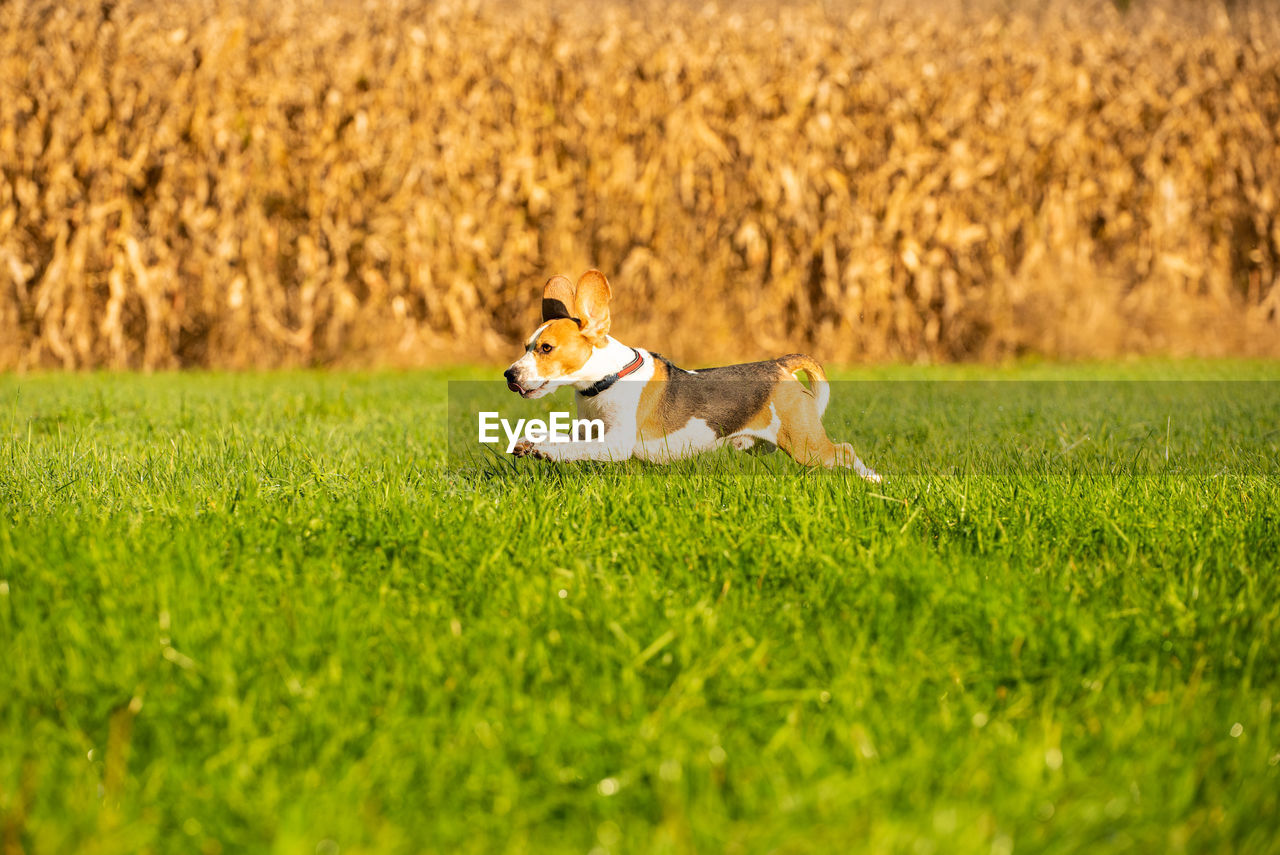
656,411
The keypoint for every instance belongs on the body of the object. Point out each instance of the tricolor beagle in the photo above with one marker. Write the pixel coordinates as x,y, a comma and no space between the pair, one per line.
655,411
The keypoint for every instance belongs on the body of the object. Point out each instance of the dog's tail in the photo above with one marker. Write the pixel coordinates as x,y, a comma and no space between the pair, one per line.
818,385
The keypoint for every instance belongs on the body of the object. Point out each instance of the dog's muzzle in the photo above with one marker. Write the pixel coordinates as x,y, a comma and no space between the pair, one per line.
514,384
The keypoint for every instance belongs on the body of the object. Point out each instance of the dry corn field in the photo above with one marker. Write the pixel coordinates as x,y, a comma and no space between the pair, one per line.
233,184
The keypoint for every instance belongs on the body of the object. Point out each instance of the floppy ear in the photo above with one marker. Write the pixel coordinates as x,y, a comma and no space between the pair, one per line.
592,305
557,298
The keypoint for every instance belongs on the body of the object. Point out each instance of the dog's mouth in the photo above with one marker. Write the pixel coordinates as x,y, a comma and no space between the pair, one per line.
522,391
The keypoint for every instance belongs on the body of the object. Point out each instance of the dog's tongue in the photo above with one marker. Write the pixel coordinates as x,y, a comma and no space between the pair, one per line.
515,387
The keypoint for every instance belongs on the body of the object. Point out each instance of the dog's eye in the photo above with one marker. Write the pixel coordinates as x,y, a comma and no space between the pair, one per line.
545,348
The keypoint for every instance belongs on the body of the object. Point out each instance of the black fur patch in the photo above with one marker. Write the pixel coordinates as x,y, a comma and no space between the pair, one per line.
727,398
553,308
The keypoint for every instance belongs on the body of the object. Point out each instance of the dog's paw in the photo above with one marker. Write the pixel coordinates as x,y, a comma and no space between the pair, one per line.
525,448
866,472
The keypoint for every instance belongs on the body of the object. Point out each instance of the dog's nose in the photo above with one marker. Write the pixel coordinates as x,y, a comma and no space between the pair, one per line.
509,375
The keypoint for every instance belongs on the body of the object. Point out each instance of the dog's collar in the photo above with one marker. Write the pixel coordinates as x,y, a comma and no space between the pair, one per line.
605,382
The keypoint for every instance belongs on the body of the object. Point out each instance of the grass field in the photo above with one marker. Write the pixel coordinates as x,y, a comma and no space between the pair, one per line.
268,613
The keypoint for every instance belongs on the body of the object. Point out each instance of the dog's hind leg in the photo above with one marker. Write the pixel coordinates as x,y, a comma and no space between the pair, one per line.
846,457
804,438
818,450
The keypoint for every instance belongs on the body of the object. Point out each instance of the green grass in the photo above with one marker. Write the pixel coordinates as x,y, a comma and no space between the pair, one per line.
245,613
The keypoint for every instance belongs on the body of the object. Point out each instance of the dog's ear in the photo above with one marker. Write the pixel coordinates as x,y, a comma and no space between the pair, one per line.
557,298
591,302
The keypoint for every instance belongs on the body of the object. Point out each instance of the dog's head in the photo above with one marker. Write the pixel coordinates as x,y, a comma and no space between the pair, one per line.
575,322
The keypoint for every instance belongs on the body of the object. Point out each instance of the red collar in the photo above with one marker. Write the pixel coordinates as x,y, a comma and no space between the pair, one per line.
605,382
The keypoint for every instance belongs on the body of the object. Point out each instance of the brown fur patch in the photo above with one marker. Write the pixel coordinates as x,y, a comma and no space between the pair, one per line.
591,301
801,434
569,349
649,414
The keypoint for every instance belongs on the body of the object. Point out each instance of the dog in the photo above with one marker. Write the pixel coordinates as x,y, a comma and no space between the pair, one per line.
655,411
